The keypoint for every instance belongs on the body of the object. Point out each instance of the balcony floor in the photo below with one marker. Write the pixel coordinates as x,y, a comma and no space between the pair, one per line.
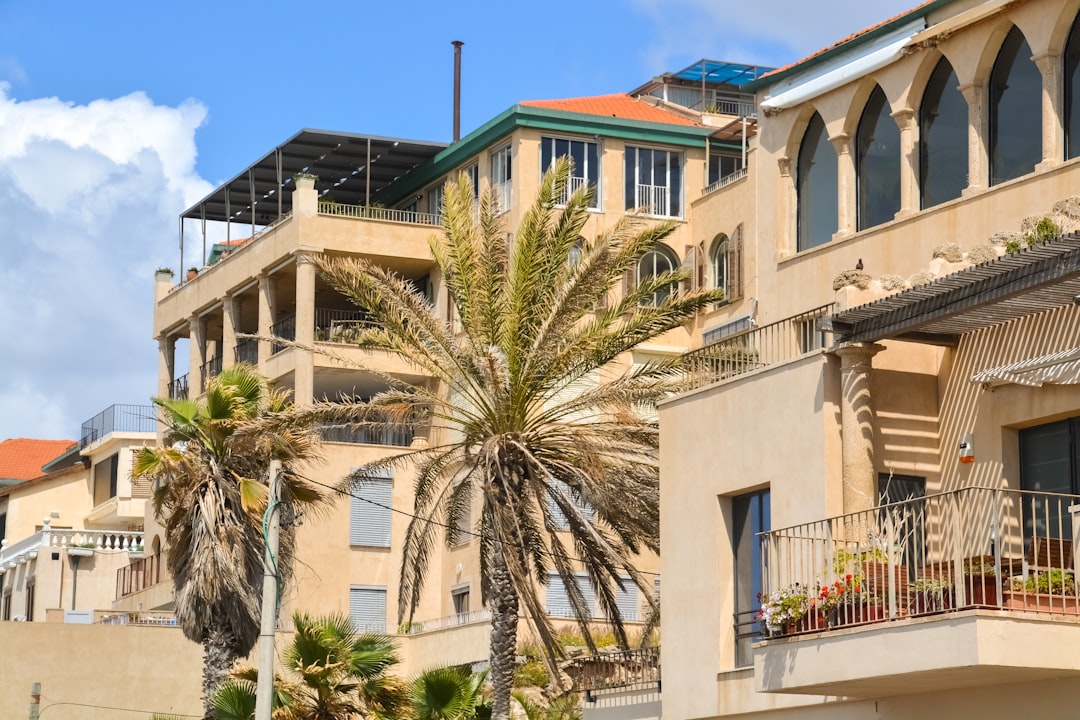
965,649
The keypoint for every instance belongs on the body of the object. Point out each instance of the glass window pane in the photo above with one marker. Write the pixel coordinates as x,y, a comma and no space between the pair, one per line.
629,172
877,163
547,146
674,185
816,186
1072,92
1046,466
943,133
1015,111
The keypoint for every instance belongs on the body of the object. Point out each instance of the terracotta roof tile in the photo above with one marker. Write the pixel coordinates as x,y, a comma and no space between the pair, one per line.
619,105
22,458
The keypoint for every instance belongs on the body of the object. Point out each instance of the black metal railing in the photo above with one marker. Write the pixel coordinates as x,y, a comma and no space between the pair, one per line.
339,326
247,351
368,435
211,368
285,328
118,418
621,669
178,388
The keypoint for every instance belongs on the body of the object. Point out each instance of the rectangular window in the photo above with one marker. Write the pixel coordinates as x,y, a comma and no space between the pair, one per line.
627,600
558,600
750,516
721,166
586,164
1049,463
501,177
460,597
5,611
435,200
29,602
370,503
367,607
558,518
105,479
3,525
473,171
654,181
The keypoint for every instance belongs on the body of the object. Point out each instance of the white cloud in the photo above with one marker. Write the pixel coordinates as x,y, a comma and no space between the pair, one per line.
89,196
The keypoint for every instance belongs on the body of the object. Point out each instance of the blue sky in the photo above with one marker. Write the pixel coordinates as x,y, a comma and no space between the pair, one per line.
117,115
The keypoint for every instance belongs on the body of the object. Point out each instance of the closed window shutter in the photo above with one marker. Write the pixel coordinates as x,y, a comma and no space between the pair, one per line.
367,608
370,505
689,265
557,515
558,601
627,600
734,284
629,281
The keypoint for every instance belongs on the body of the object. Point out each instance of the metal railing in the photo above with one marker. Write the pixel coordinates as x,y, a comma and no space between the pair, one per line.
725,181
755,348
713,101
178,388
339,326
155,618
621,669
449,621
247,351
970,548
139,575
378,213
118,418
210,369
573,184
503,193
367,435
285,328
653,199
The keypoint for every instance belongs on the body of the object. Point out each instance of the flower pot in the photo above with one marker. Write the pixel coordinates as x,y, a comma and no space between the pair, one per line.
811,622
1040,602
81,551
981,591
855,615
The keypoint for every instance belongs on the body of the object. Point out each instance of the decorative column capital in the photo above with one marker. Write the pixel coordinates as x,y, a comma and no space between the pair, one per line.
857,356
784,164
905,118
842,143
1049,63
972,92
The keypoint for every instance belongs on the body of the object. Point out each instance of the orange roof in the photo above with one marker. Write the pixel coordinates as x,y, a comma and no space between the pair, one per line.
849,38
618,105
22,458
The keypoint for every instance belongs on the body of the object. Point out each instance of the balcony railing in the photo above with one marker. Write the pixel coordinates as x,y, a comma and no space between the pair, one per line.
367,435
211,368
653,199
623,669
573,184
940,554
142,617
756,348
725,181
139,575
285,328
450,621
104,540
339,326
247,351
378,213
118,418
178,388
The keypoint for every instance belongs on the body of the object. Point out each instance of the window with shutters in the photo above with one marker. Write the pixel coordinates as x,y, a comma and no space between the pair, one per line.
558,599
370,503
627,599
367,607
557,516
462,526
105,477
460,597
718,264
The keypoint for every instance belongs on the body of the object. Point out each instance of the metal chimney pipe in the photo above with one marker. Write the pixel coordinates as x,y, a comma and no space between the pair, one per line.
457,88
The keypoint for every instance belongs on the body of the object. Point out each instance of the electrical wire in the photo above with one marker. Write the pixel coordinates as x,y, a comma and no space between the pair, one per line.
462,531
109,707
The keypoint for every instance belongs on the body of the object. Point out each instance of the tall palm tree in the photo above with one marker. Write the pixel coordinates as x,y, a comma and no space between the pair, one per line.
518,417
334,673
210,493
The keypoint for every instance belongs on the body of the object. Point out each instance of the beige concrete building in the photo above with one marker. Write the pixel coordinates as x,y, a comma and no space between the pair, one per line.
889,450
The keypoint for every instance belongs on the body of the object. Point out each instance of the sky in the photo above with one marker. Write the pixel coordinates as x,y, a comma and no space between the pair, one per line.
117,115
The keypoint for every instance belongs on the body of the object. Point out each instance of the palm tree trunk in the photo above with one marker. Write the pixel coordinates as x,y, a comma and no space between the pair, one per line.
218,659
504,620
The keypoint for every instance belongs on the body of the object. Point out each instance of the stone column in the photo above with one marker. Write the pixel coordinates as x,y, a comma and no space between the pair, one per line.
166,365
845,178
267,304
1053,110
857,426
303,374
909,161
229,311
197,355
978,130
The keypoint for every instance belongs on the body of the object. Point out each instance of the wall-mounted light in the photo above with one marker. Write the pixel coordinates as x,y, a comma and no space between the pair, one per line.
967,448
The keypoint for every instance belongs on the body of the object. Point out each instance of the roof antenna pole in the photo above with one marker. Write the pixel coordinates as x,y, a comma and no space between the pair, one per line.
457,88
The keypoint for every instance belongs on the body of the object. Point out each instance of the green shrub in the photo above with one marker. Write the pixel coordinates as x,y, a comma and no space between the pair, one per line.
1045,229
531,674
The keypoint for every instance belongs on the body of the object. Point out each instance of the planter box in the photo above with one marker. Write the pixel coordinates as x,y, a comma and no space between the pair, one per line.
811,622
856,615
136,554
982,591
923,603
1040,602
80,551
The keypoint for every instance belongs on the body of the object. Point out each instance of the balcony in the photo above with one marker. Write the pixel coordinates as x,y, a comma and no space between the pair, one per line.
968,588
367,435
621,669
378,213
118,418
139,575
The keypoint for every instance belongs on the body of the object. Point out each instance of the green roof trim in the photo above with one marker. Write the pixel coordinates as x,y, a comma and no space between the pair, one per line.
884,29
526,116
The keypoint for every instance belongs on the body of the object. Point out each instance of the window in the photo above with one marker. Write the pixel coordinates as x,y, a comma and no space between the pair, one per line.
750,516
576,252
367,608
501,177
943,138
877,163
657,261
370,505
29,611
473,171
654,181
435,201
586,164
558,599
626,599
5,611
1072,92
462,526
460,598
3,525
1015,111
722,165
718,264
105,473
557,516
1049,463
816,187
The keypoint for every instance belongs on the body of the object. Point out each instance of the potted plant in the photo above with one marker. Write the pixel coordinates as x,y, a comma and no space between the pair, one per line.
164,273
929,595
980,581
782,611
1043,591
135,551
84,549
847,602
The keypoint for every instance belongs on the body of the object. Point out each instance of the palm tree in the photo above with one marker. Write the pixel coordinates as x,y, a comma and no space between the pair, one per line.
519,419
448,693
335,674
210,493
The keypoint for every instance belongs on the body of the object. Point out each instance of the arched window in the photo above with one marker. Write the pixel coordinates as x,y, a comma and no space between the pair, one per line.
943,138
816,187
877,163
1072,92
718,263
655,262
1015,111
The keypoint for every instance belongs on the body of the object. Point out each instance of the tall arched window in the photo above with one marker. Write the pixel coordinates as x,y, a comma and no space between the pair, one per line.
1072,92
1015,111
816,187
719,264
877,163
943,138
655,262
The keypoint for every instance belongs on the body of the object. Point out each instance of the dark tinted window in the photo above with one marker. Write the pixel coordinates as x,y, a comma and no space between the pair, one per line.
816,185
1072,92
943,134
1015,111
877,162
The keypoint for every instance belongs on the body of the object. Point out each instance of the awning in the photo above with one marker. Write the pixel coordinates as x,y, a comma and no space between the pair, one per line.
1058,368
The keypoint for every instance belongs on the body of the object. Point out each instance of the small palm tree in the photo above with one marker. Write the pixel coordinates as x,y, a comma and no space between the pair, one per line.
520,420
334,673
448,693
211,490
